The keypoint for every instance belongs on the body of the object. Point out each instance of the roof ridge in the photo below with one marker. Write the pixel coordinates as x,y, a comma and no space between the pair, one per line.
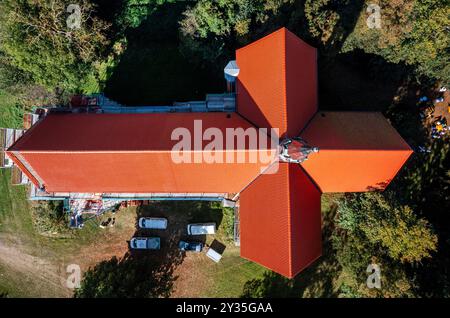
262,38
283,69
290,253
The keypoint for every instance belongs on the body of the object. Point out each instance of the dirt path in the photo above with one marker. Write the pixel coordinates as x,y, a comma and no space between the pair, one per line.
38,276
48,278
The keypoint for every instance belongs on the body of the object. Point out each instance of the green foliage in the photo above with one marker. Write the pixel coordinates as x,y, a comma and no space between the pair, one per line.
35,36
49,218
228,223
134,12
95,81
412,247
227,219
426,186
375,228
11,111
321,20
208,25
347,291
11,76
412,31
430,178
405,237
270,285
354,253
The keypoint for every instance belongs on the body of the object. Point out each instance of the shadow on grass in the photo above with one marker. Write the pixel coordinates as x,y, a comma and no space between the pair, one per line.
139,273
132,275
153,71
358,81
179,214
149,273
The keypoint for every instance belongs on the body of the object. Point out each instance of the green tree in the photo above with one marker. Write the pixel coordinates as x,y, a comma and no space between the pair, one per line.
405,237
321,20
134,12
374,228
412,31
35,36
209,25
354,254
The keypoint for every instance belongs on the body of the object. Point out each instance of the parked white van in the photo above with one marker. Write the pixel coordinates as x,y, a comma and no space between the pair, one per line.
153,223
201,228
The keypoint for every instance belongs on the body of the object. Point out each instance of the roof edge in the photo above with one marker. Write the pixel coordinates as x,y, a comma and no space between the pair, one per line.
23,168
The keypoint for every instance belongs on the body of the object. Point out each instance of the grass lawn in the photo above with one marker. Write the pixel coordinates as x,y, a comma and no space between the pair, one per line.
230,275
197,275
227,278
33,265
10,111
14,208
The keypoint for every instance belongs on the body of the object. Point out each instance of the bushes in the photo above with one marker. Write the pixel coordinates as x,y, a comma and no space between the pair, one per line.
228,223
49,218
10,76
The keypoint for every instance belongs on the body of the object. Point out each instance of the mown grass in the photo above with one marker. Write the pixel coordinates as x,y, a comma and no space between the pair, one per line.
230,274
226,278
18,231
11,111
9,286
15,216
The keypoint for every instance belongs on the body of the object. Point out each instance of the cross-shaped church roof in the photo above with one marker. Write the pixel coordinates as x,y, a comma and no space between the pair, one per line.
279,206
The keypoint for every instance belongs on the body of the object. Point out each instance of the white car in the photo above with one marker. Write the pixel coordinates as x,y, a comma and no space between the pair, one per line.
145,243
153,223
201,228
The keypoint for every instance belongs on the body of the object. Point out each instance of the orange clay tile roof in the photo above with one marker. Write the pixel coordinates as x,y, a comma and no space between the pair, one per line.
359,151
130,153
277,83
119,132
280,220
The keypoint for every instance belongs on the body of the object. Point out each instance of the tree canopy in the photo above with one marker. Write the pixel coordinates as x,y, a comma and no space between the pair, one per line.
36,36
